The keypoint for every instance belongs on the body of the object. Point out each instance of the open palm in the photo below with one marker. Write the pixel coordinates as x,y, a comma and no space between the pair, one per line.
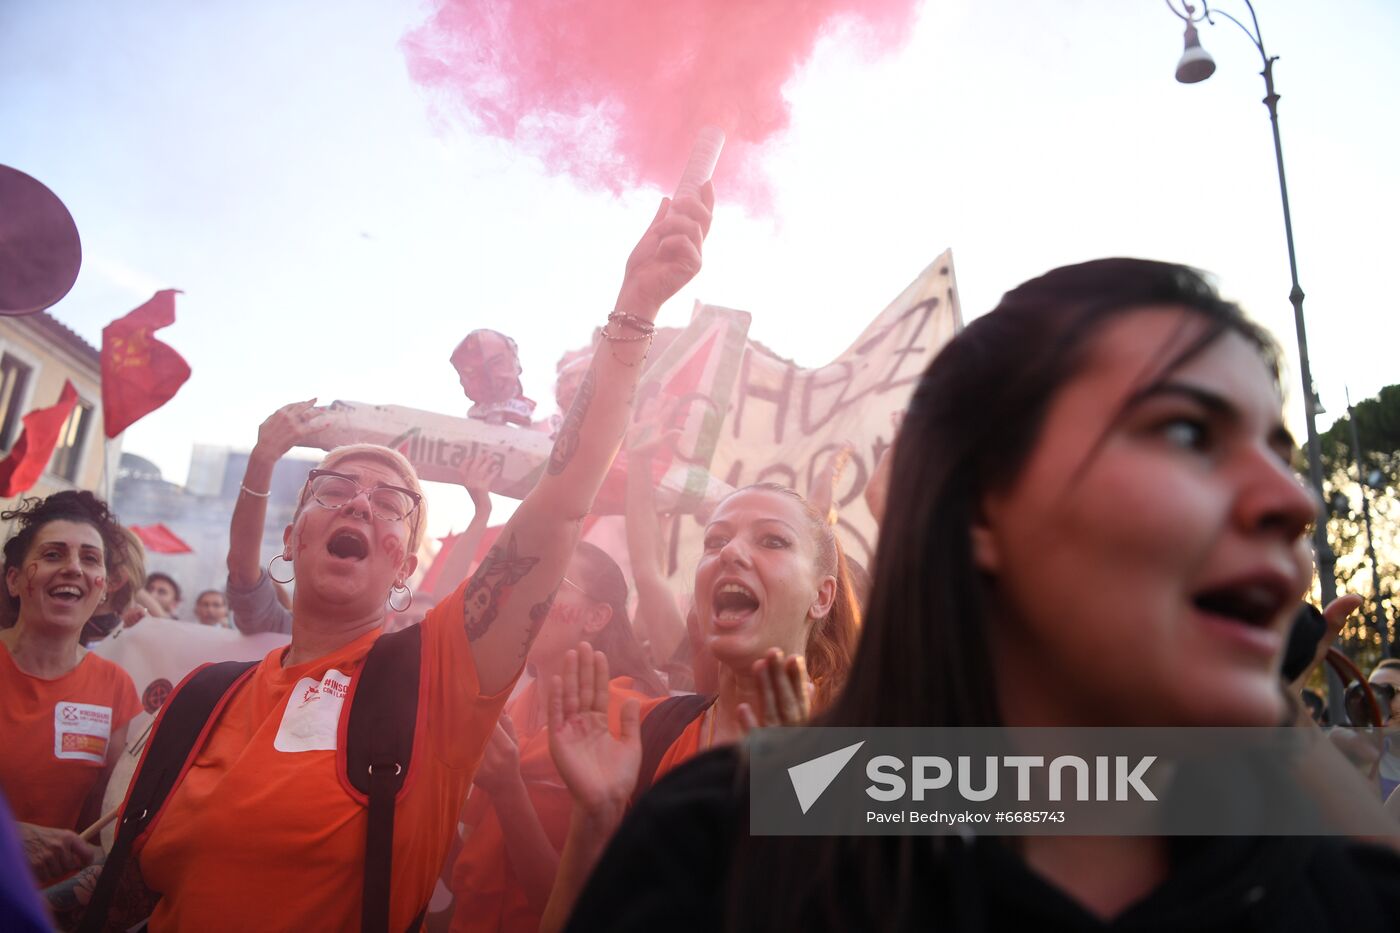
599,769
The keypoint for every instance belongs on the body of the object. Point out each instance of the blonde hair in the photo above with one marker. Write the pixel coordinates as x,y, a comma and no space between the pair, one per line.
385,456
132,564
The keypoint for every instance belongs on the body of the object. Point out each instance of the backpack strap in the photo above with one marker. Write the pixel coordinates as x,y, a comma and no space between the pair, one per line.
378,747
179,733
663,725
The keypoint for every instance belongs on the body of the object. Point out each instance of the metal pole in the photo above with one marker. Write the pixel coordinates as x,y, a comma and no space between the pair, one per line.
1326,559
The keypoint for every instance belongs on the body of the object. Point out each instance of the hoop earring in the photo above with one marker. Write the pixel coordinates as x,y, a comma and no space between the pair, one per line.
400,588
273,577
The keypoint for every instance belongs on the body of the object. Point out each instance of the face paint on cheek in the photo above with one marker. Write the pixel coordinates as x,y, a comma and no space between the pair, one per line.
393,548
568,615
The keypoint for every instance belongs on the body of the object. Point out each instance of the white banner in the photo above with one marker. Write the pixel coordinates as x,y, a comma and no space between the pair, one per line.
785,421
697,367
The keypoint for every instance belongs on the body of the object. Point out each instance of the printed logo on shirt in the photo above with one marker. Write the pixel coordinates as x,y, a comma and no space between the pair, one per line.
81,731
157,692
312,716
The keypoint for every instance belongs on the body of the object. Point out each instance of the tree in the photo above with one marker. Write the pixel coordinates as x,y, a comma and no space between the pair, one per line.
1378,431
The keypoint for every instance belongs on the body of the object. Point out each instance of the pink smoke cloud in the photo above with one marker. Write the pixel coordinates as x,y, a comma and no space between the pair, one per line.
613,92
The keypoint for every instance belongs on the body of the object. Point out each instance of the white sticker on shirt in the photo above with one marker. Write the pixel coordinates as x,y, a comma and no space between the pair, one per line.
312,716
81,731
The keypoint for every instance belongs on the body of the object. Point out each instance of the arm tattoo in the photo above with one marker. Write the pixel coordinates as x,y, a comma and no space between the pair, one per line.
70,897
538,613
566,444
490,586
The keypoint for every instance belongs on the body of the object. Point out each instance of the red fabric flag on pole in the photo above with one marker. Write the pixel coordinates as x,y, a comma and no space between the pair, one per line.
139,373
25,464
161,539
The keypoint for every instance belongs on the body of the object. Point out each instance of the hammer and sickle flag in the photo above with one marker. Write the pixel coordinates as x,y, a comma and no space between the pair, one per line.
139,373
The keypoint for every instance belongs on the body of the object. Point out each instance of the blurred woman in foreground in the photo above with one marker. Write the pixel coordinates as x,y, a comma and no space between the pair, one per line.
1093,521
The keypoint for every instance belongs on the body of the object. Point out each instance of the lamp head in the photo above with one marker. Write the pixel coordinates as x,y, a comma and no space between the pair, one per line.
1196,63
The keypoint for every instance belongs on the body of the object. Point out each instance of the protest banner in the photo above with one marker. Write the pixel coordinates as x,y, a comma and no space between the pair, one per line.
698,368
784,421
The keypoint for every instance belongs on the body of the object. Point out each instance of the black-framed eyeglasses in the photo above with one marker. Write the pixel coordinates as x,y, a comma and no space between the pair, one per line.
332,490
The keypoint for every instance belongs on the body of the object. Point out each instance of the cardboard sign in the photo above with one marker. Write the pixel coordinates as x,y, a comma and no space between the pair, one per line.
784,421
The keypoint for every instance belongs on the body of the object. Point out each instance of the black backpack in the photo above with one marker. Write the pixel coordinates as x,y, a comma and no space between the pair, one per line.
376,757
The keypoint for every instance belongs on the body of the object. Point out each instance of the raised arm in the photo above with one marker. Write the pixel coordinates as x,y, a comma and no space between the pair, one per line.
599,769
656,603
510,593
477,475
532,856
253,609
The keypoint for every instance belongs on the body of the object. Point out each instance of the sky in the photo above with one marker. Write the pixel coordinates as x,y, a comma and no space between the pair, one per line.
337,229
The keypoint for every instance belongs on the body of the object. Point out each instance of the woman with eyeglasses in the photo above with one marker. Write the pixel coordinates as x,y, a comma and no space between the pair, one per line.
517,817
1092,521
260,831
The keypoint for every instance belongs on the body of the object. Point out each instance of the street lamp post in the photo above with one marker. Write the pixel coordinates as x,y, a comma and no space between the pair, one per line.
1196,65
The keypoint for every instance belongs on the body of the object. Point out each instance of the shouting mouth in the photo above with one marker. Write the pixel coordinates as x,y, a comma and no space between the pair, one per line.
348,544
733,604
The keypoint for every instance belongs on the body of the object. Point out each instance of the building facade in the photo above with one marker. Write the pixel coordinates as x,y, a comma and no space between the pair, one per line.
37,353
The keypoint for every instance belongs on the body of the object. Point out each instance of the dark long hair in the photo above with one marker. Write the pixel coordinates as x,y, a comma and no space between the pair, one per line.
602,581
924,658
70,505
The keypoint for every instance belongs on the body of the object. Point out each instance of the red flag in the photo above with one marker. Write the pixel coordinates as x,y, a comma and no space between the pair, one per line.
23,467
160,539
139,373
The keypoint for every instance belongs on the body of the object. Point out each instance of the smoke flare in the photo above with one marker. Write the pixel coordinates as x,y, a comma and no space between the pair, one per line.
614,92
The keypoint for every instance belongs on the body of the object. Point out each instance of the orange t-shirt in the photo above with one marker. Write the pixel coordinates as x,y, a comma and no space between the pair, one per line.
55,736
261,835
489,895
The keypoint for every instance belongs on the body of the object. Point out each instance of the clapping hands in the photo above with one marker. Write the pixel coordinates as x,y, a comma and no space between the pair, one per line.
599,769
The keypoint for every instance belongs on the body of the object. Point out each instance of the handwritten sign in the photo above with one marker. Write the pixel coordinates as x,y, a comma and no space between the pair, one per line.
785,421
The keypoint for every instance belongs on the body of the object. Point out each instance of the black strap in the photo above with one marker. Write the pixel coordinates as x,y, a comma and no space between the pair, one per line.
661,728
181,721
378,751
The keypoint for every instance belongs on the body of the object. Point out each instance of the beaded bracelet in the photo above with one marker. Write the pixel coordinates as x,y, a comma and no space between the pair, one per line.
618,338
612,340
633,321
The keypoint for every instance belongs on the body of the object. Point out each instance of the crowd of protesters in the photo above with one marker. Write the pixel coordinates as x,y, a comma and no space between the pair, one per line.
1112,535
